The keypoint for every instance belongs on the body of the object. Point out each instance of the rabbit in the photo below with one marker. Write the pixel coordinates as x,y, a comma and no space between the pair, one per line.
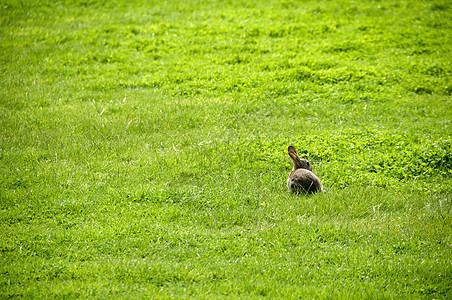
301,179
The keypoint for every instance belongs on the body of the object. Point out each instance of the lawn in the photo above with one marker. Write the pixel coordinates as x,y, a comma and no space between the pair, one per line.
143,149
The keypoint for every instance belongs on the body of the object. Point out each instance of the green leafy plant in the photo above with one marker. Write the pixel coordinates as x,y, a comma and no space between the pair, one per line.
143,149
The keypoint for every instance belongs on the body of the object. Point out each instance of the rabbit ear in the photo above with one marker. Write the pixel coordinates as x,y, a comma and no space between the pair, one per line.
291,149
295,160
293,156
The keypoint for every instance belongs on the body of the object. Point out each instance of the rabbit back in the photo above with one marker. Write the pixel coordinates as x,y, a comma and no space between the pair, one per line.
303,180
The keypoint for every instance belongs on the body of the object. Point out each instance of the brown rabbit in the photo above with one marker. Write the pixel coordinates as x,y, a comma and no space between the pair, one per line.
301,179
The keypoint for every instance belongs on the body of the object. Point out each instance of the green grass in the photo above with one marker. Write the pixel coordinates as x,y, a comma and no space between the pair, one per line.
143,149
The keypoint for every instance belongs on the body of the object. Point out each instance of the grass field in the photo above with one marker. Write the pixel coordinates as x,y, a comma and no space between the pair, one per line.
143,149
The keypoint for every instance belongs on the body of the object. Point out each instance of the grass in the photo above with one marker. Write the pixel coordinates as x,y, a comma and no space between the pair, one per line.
143,149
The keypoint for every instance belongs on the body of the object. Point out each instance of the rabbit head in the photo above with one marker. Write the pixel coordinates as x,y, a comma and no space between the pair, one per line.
298,163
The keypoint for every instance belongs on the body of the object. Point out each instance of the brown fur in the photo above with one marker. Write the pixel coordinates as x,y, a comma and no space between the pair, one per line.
301,179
